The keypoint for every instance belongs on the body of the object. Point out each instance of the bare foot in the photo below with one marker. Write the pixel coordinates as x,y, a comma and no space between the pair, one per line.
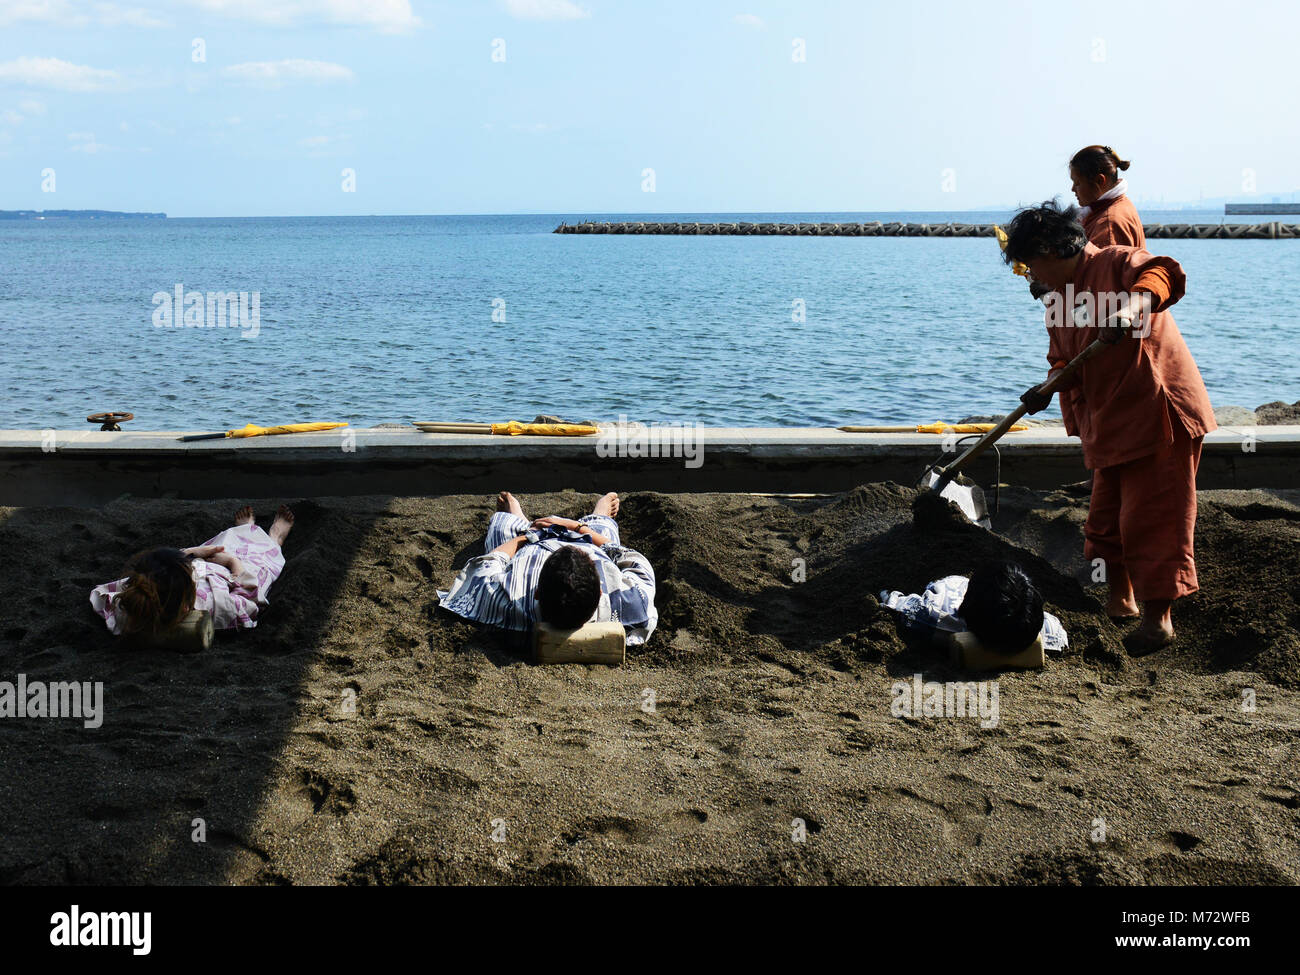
1148,638
1121,604
607,505
1122,609
244,516
282,524
508,502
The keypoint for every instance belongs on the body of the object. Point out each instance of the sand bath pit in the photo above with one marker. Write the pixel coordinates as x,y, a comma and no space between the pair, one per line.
751,740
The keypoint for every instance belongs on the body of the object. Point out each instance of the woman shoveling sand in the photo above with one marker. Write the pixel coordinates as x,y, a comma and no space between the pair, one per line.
1140,408
227,576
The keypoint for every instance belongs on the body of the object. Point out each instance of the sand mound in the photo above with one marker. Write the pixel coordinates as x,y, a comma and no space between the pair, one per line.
781,579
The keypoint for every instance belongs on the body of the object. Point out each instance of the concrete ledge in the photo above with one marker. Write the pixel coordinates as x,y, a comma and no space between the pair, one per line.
78,467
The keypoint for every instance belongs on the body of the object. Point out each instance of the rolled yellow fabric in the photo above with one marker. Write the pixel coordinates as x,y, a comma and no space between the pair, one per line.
937,427
516,429
941,427
253,430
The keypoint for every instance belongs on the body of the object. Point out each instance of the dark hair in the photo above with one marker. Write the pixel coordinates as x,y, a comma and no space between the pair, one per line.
159,592
568,588
1093,161
1044,231
1002,608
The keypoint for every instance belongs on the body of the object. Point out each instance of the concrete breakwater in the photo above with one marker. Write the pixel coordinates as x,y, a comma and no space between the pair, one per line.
1196,231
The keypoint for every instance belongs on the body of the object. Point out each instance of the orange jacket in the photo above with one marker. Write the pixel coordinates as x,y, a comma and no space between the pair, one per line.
1117,402
1115,222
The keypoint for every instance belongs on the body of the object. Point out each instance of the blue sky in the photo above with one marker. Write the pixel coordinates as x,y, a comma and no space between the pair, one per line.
924,106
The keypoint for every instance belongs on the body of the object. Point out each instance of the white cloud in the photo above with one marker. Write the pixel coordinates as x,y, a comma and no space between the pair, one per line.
57,75
545,10
750,20
64,13
26,108
85,142
314,142
111,15
273,74
385,16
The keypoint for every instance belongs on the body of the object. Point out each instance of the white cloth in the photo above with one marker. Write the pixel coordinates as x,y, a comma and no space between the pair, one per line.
1116,191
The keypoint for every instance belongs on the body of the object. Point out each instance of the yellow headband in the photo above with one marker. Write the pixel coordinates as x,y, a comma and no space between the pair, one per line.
1016,267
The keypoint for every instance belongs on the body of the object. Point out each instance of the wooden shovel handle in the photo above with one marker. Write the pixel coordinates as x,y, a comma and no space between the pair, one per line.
946,474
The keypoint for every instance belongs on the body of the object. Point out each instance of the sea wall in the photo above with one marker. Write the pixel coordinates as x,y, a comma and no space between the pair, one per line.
41,468
1197,231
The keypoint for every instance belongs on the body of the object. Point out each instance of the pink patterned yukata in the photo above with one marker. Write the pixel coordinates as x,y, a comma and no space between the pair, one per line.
233,601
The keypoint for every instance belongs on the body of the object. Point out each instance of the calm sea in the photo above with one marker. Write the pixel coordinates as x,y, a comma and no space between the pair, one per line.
488,318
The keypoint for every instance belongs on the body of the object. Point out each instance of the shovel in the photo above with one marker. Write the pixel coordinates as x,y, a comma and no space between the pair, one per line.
941,479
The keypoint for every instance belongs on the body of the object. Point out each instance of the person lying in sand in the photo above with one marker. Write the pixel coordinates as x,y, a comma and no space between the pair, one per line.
227,576
556,570
1140,408
998,603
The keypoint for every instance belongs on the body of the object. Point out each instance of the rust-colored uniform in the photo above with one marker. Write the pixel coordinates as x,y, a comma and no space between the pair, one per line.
1141,410
1115,223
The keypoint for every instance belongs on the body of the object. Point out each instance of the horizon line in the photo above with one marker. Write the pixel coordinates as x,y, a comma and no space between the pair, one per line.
1174,205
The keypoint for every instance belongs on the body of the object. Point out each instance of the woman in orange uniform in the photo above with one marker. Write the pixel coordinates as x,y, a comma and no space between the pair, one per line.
1108,215
1140,408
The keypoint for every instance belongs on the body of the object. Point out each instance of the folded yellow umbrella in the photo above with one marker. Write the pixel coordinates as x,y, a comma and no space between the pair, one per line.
514,429
938,427
253,430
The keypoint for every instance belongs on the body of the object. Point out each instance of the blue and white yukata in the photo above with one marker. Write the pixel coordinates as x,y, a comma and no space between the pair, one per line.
937,607
499,591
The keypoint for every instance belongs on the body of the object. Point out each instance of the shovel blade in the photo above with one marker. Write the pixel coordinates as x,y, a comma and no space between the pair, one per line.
969,498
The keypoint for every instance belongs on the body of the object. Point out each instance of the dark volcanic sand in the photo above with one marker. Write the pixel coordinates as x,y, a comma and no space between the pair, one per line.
772,703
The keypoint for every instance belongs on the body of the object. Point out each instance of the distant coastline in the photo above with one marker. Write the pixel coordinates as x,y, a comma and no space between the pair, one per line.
78,215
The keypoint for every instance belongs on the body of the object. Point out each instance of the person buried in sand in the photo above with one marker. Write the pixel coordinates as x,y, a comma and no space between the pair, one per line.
556,570
1140,407
227,576
998,604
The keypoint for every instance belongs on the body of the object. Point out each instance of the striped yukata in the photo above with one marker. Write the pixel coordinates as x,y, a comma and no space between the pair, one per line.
498,590
233,601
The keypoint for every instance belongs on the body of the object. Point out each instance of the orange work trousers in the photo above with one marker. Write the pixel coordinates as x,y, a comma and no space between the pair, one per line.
1143,516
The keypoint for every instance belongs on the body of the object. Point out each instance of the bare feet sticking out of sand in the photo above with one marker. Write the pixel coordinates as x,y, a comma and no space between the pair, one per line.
508,502
244,516
607,505
282,524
